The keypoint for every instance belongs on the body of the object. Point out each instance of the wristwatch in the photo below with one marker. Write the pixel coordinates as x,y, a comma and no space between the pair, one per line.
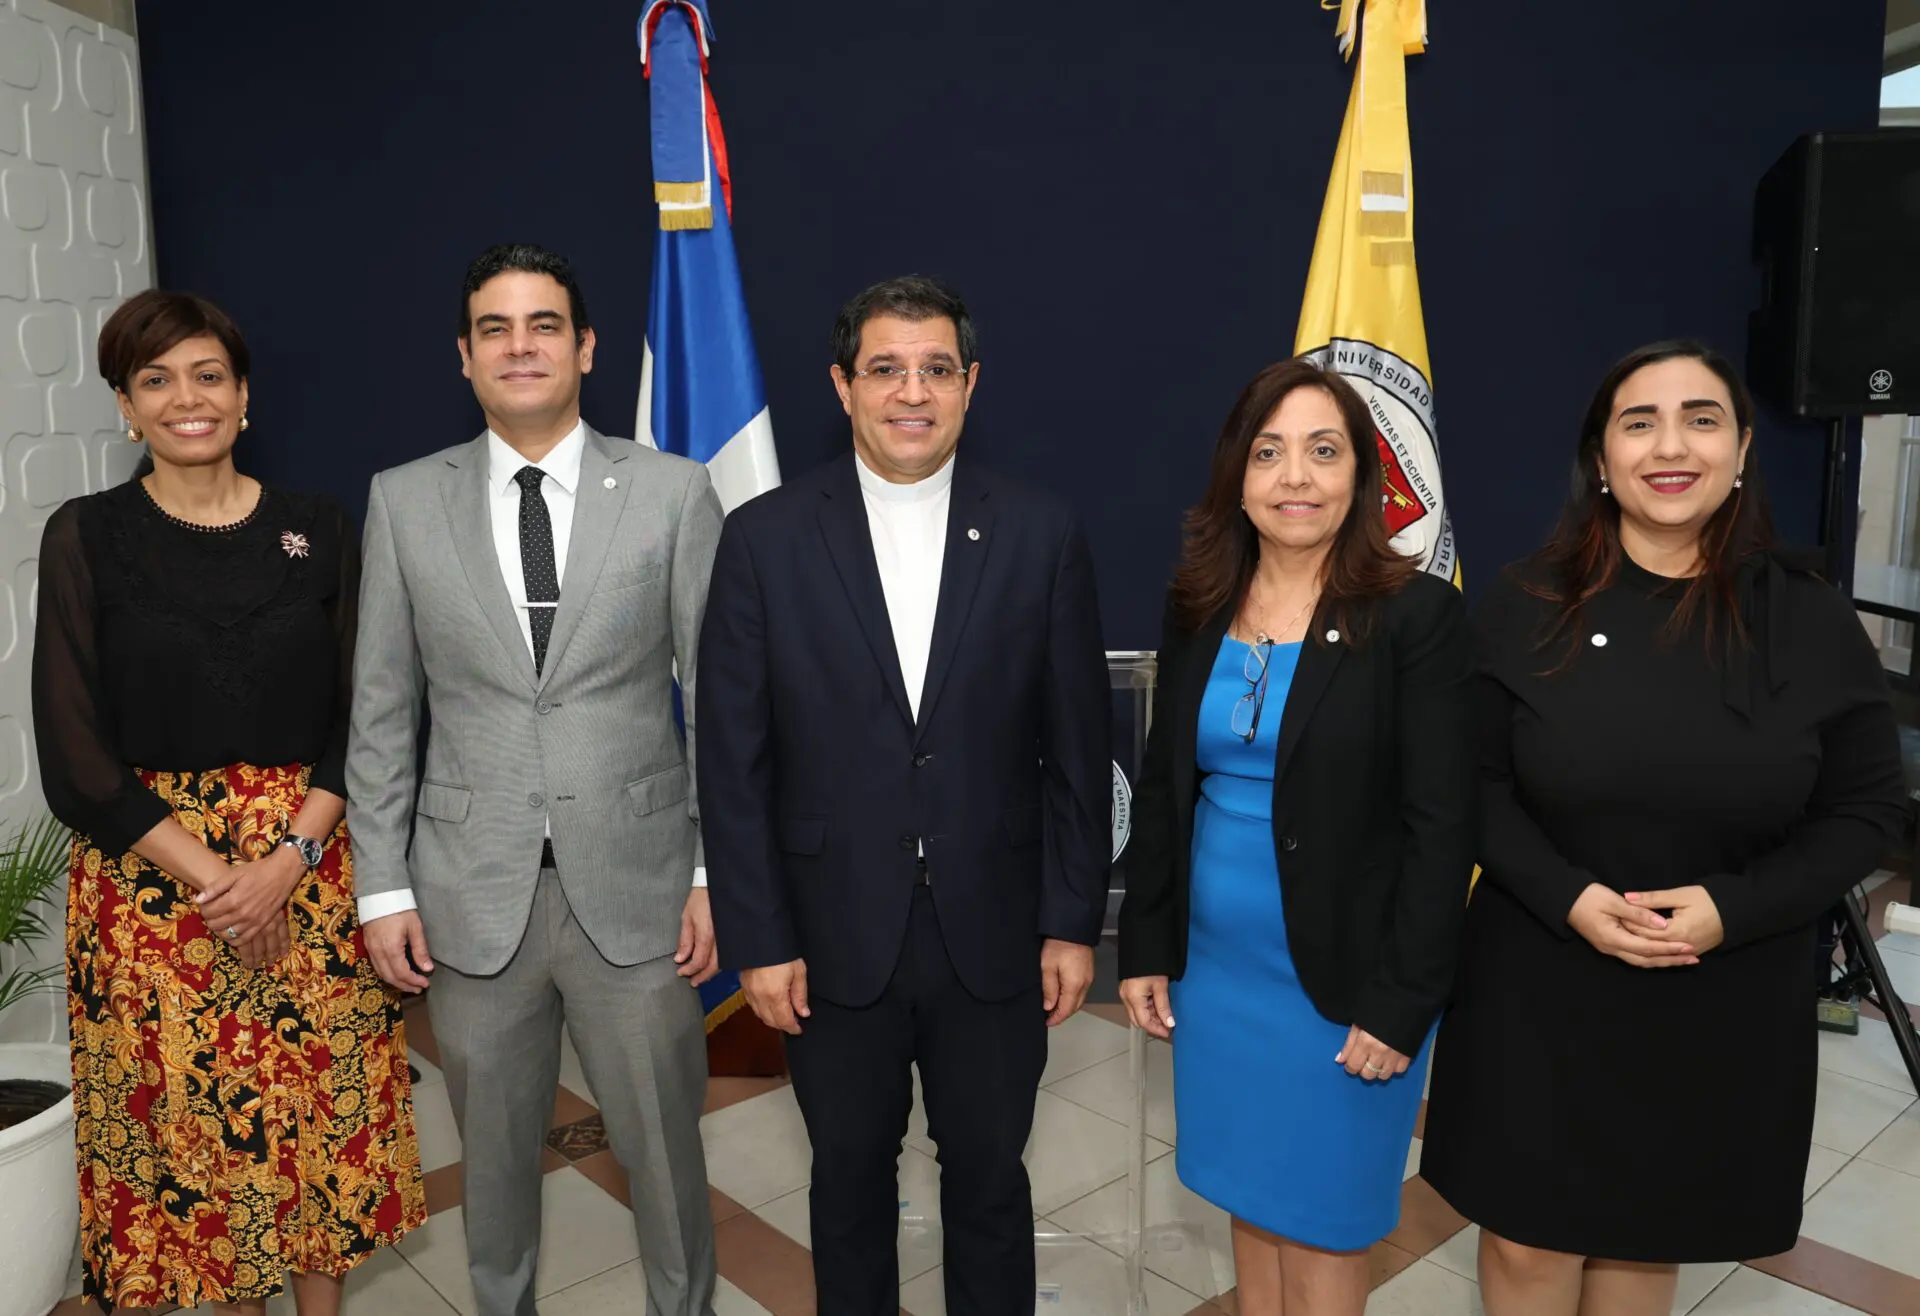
311,852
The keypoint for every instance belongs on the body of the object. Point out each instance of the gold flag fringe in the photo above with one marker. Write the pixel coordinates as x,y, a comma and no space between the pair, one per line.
725,1010
681,192
672,220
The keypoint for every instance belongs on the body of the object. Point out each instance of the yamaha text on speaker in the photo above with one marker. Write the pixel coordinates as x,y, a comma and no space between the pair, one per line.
1836,229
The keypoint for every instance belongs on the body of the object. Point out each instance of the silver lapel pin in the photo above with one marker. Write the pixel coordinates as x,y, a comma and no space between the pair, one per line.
610,482
972,533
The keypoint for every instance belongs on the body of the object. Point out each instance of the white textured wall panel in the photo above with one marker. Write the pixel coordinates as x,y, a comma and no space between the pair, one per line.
73,245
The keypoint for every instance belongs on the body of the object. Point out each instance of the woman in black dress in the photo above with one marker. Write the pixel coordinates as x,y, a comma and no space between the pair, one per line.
1687,756
239,1071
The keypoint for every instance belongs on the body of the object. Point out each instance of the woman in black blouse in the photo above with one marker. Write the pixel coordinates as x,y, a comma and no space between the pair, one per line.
239,1070
1686,757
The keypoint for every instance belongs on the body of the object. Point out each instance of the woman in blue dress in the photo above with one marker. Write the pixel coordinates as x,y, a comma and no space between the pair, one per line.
1303,840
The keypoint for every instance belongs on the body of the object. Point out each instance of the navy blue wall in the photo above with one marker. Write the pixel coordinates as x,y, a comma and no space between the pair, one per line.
1126,196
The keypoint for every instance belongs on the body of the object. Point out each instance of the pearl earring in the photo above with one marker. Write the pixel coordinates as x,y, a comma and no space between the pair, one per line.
1603,485
1738,479
243,422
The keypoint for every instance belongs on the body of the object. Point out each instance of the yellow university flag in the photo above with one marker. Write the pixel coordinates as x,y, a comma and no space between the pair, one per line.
1361,314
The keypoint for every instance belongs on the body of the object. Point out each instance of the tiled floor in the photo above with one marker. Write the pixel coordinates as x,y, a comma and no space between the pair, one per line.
1859,1250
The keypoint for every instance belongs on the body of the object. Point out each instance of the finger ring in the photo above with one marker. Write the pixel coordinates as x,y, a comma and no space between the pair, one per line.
232,933
1375,1069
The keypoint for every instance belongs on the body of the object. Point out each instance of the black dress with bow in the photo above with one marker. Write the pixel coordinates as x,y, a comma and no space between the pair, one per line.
1657,1115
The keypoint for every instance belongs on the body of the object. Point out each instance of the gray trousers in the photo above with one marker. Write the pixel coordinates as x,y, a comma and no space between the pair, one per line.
641,1038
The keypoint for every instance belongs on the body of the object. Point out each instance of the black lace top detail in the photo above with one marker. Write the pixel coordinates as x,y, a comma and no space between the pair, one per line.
165,645
169,517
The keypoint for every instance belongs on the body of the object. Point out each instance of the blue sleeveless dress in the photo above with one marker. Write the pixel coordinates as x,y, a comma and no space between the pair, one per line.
1270,1129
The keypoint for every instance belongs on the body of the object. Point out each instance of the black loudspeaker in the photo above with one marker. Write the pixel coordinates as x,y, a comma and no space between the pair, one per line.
1836,229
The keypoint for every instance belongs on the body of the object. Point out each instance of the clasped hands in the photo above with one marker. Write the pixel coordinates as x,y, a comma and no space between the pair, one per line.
250,901
1632,929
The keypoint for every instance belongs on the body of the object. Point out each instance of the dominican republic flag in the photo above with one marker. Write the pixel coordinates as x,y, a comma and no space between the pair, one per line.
700,390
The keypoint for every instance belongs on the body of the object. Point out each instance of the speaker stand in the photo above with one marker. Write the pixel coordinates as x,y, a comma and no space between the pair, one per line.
1865,976
1833,506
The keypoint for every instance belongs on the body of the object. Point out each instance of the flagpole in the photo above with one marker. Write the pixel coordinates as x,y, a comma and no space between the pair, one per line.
701,393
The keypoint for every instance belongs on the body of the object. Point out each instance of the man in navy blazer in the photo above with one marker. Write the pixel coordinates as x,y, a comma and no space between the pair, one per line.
904,747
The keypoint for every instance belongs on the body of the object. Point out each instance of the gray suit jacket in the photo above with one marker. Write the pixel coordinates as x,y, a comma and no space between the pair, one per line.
590,742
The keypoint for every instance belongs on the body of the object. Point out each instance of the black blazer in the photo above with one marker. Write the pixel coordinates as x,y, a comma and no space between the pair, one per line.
817,785
1374,817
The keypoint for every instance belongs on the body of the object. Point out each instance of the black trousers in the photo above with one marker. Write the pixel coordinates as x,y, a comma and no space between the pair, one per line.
980,1064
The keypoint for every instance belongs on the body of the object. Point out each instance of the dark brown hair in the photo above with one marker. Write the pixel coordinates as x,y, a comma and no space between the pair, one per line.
150,324
1221,547
1583,556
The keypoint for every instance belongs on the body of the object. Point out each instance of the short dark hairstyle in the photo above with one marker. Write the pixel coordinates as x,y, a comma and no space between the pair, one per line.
528,259
912,297
150,324
1221,548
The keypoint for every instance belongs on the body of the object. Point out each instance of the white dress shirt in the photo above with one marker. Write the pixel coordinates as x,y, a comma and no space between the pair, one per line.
561,466
908,523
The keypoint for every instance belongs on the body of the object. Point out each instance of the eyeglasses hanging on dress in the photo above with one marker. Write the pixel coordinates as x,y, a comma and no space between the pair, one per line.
1247,708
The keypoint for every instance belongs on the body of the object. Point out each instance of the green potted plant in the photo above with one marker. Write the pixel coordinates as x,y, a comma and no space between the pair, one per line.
39,1203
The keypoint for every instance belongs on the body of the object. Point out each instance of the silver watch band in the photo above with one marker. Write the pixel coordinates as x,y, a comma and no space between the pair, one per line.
309,850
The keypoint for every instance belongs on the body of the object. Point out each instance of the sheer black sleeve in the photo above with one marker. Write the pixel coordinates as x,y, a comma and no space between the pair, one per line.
343,613
88,786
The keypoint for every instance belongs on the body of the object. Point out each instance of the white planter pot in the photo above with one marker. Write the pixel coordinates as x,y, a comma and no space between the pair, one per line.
39,1196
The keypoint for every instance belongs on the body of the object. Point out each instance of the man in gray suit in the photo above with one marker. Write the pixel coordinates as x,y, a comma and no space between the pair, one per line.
537,588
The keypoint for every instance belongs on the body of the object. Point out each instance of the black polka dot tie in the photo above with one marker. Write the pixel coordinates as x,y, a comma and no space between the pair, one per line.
537,565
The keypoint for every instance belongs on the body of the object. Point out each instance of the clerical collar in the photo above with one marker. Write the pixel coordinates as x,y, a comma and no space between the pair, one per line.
888,492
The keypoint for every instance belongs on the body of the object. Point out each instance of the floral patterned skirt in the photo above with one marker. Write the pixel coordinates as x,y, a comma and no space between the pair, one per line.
232,1123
